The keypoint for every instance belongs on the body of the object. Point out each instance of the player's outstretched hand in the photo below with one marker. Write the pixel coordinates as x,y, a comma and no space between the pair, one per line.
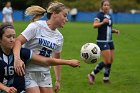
19,67
74,63
12,90
117,32
57,87
106,20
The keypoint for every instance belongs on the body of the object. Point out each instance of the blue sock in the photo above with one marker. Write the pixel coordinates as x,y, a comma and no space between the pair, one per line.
107,69
98,67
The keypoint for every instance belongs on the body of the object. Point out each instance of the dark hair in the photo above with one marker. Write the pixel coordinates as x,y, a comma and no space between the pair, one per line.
7,2
102,2
3,27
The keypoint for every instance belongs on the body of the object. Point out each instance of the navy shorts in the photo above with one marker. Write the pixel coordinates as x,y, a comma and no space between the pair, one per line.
106,45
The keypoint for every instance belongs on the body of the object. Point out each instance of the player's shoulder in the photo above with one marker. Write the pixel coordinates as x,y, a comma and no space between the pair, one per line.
10,8
41,22
24,51
4,9
100,14
58,32
33,25
1,53
2,63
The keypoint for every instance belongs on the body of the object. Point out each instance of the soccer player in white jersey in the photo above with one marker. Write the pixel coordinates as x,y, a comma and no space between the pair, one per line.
7,13
43,38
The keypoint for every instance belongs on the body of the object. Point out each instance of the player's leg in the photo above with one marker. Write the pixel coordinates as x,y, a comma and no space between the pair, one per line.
112,48
106,54
107,68
31,83
46,89
109,63
106,64
112,56
45,83
10,21
103,46
33,90
97,69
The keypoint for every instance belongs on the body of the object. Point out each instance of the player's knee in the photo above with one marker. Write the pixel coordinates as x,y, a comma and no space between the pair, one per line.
107,61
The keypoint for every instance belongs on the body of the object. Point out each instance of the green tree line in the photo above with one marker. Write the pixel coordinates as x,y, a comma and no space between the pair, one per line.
81,5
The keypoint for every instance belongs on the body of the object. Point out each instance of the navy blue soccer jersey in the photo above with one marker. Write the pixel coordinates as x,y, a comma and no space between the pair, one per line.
104,31
7,70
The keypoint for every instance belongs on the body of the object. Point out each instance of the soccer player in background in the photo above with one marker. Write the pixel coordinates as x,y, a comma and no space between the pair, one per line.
103,22
7,13
43,37
16,83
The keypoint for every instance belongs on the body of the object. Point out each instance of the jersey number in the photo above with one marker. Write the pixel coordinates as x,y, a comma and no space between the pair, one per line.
45,52
9,70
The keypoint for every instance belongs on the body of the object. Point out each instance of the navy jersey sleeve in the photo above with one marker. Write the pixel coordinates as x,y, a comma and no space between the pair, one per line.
1,70
99,17
25,54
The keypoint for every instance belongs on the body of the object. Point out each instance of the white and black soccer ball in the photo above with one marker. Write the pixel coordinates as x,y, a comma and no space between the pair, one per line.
90,53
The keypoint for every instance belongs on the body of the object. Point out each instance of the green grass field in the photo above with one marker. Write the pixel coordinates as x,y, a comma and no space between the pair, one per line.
125,74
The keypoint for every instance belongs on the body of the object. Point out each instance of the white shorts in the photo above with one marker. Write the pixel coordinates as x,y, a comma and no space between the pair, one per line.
38,79
8,20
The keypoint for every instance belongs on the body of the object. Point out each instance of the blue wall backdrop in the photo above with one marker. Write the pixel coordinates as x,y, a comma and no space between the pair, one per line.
85,17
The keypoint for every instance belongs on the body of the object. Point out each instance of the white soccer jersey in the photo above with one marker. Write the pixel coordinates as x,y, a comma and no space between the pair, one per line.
42,40
7,12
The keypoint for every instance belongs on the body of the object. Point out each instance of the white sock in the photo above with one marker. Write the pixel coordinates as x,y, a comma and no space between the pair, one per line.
106,78
92,73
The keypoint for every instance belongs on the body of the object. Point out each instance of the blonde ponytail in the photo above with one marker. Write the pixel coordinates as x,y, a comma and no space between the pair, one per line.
36,12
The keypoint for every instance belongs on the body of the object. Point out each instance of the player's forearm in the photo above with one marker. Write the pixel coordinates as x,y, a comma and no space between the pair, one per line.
57,70
97,24
3,87
114,30
40,60
16,49
54,61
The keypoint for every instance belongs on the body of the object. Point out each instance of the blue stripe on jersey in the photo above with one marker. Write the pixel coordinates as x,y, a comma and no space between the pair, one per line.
0,58
10,59
10,82
31,53
5,58
108,33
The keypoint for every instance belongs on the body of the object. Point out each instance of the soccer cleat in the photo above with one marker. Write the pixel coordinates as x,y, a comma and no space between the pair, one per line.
91,79
107,81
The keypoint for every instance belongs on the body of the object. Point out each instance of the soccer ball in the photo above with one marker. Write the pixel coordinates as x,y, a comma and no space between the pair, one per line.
90,53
